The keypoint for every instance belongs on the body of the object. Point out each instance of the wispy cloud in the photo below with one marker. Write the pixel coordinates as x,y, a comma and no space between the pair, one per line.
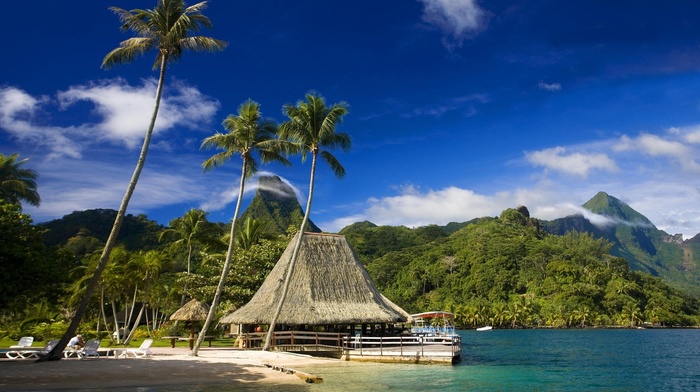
575,163
667,147
559,180
465,105
549,86
458,19
68,185
218,199
120,114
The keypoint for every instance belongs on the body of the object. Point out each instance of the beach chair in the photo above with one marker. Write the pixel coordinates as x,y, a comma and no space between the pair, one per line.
24,342
24,354
89,350
144,350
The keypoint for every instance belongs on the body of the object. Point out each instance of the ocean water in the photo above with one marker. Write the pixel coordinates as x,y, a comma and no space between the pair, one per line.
526,360
540,360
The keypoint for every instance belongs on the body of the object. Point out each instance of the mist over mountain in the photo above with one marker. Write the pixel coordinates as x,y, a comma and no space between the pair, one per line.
636,239
276,203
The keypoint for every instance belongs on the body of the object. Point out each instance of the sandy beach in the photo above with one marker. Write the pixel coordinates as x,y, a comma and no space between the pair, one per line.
239,369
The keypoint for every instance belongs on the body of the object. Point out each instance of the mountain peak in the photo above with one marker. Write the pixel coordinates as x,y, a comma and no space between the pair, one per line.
609,206
276,203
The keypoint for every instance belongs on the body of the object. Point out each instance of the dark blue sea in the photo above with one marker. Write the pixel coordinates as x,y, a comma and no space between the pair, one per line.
542,360
530,360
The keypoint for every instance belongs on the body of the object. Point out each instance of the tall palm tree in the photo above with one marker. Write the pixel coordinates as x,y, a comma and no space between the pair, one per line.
311,128
17,184
168,28
248,133
191,229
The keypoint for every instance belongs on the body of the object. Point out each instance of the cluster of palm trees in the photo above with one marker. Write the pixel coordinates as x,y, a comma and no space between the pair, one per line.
522,311
170,29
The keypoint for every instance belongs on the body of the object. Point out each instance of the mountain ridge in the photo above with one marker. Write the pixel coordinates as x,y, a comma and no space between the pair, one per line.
636,239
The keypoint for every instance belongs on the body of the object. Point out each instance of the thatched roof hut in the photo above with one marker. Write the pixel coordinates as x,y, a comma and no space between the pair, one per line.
191,311
328,286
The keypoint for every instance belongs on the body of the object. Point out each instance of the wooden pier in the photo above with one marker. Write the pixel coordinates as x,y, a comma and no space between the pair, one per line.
393,349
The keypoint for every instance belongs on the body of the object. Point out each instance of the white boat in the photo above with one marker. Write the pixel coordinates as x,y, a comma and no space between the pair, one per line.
486,328
435,323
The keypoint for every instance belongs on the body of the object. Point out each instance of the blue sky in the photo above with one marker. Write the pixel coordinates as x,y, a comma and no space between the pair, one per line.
458,108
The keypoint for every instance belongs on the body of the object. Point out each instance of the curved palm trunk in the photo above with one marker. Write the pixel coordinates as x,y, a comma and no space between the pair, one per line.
187,282
226,267
57,352
290,267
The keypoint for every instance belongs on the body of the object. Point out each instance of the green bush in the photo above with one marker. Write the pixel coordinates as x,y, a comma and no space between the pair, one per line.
48,331
141,332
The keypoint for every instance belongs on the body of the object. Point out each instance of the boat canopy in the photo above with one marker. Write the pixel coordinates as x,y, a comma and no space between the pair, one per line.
433,314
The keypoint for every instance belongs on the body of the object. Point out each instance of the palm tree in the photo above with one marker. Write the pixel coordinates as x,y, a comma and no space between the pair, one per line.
17,184
145,267
189,230
252,231
248,133
166,28
311,128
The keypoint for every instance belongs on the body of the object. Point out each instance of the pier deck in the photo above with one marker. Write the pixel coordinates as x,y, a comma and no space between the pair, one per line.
394,349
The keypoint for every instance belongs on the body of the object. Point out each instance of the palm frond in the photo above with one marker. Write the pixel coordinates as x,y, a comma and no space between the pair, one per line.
168,27
127,51
333,163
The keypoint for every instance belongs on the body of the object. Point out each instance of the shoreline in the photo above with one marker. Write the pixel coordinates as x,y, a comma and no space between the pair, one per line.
244,370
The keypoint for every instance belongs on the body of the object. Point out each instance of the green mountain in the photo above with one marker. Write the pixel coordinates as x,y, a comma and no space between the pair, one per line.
85,231
275,202
637,240
508,272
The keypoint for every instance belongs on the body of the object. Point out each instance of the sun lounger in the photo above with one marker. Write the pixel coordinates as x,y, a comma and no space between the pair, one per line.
24,342
24,354
143,351
89,350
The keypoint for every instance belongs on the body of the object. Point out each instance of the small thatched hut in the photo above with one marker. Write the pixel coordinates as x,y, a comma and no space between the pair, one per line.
328,287
191,312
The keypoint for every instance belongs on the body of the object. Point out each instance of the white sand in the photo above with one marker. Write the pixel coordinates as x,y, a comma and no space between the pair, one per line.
168,366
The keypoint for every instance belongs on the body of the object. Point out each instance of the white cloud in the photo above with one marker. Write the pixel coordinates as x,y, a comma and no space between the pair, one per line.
121,113
219,199
458,19
572,163
465,104
665,147
68,185
549,86
693,136
414,208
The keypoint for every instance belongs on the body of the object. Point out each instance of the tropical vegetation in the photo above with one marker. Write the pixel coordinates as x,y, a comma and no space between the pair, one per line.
311,129
74,274
248,134
508,272
168,28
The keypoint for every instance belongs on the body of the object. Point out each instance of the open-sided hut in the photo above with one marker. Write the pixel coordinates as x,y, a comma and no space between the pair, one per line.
191,312
328,288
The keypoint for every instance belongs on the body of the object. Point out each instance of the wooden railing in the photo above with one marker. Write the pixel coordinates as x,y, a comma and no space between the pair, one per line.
404,344
295,338
366,345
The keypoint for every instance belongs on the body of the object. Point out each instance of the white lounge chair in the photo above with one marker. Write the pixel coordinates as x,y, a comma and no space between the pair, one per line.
89,350
144,350
24,354
24,342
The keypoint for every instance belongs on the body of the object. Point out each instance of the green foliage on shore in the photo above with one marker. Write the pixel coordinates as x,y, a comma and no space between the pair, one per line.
508,272
43,283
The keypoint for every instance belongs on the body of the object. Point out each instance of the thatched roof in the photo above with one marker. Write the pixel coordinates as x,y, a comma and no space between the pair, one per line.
328,286
191,311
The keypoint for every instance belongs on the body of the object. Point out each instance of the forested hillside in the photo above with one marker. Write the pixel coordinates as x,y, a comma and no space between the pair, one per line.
508,271
637,240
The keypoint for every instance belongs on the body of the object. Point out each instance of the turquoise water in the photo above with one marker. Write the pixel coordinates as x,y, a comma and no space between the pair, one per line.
541,360
525,360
